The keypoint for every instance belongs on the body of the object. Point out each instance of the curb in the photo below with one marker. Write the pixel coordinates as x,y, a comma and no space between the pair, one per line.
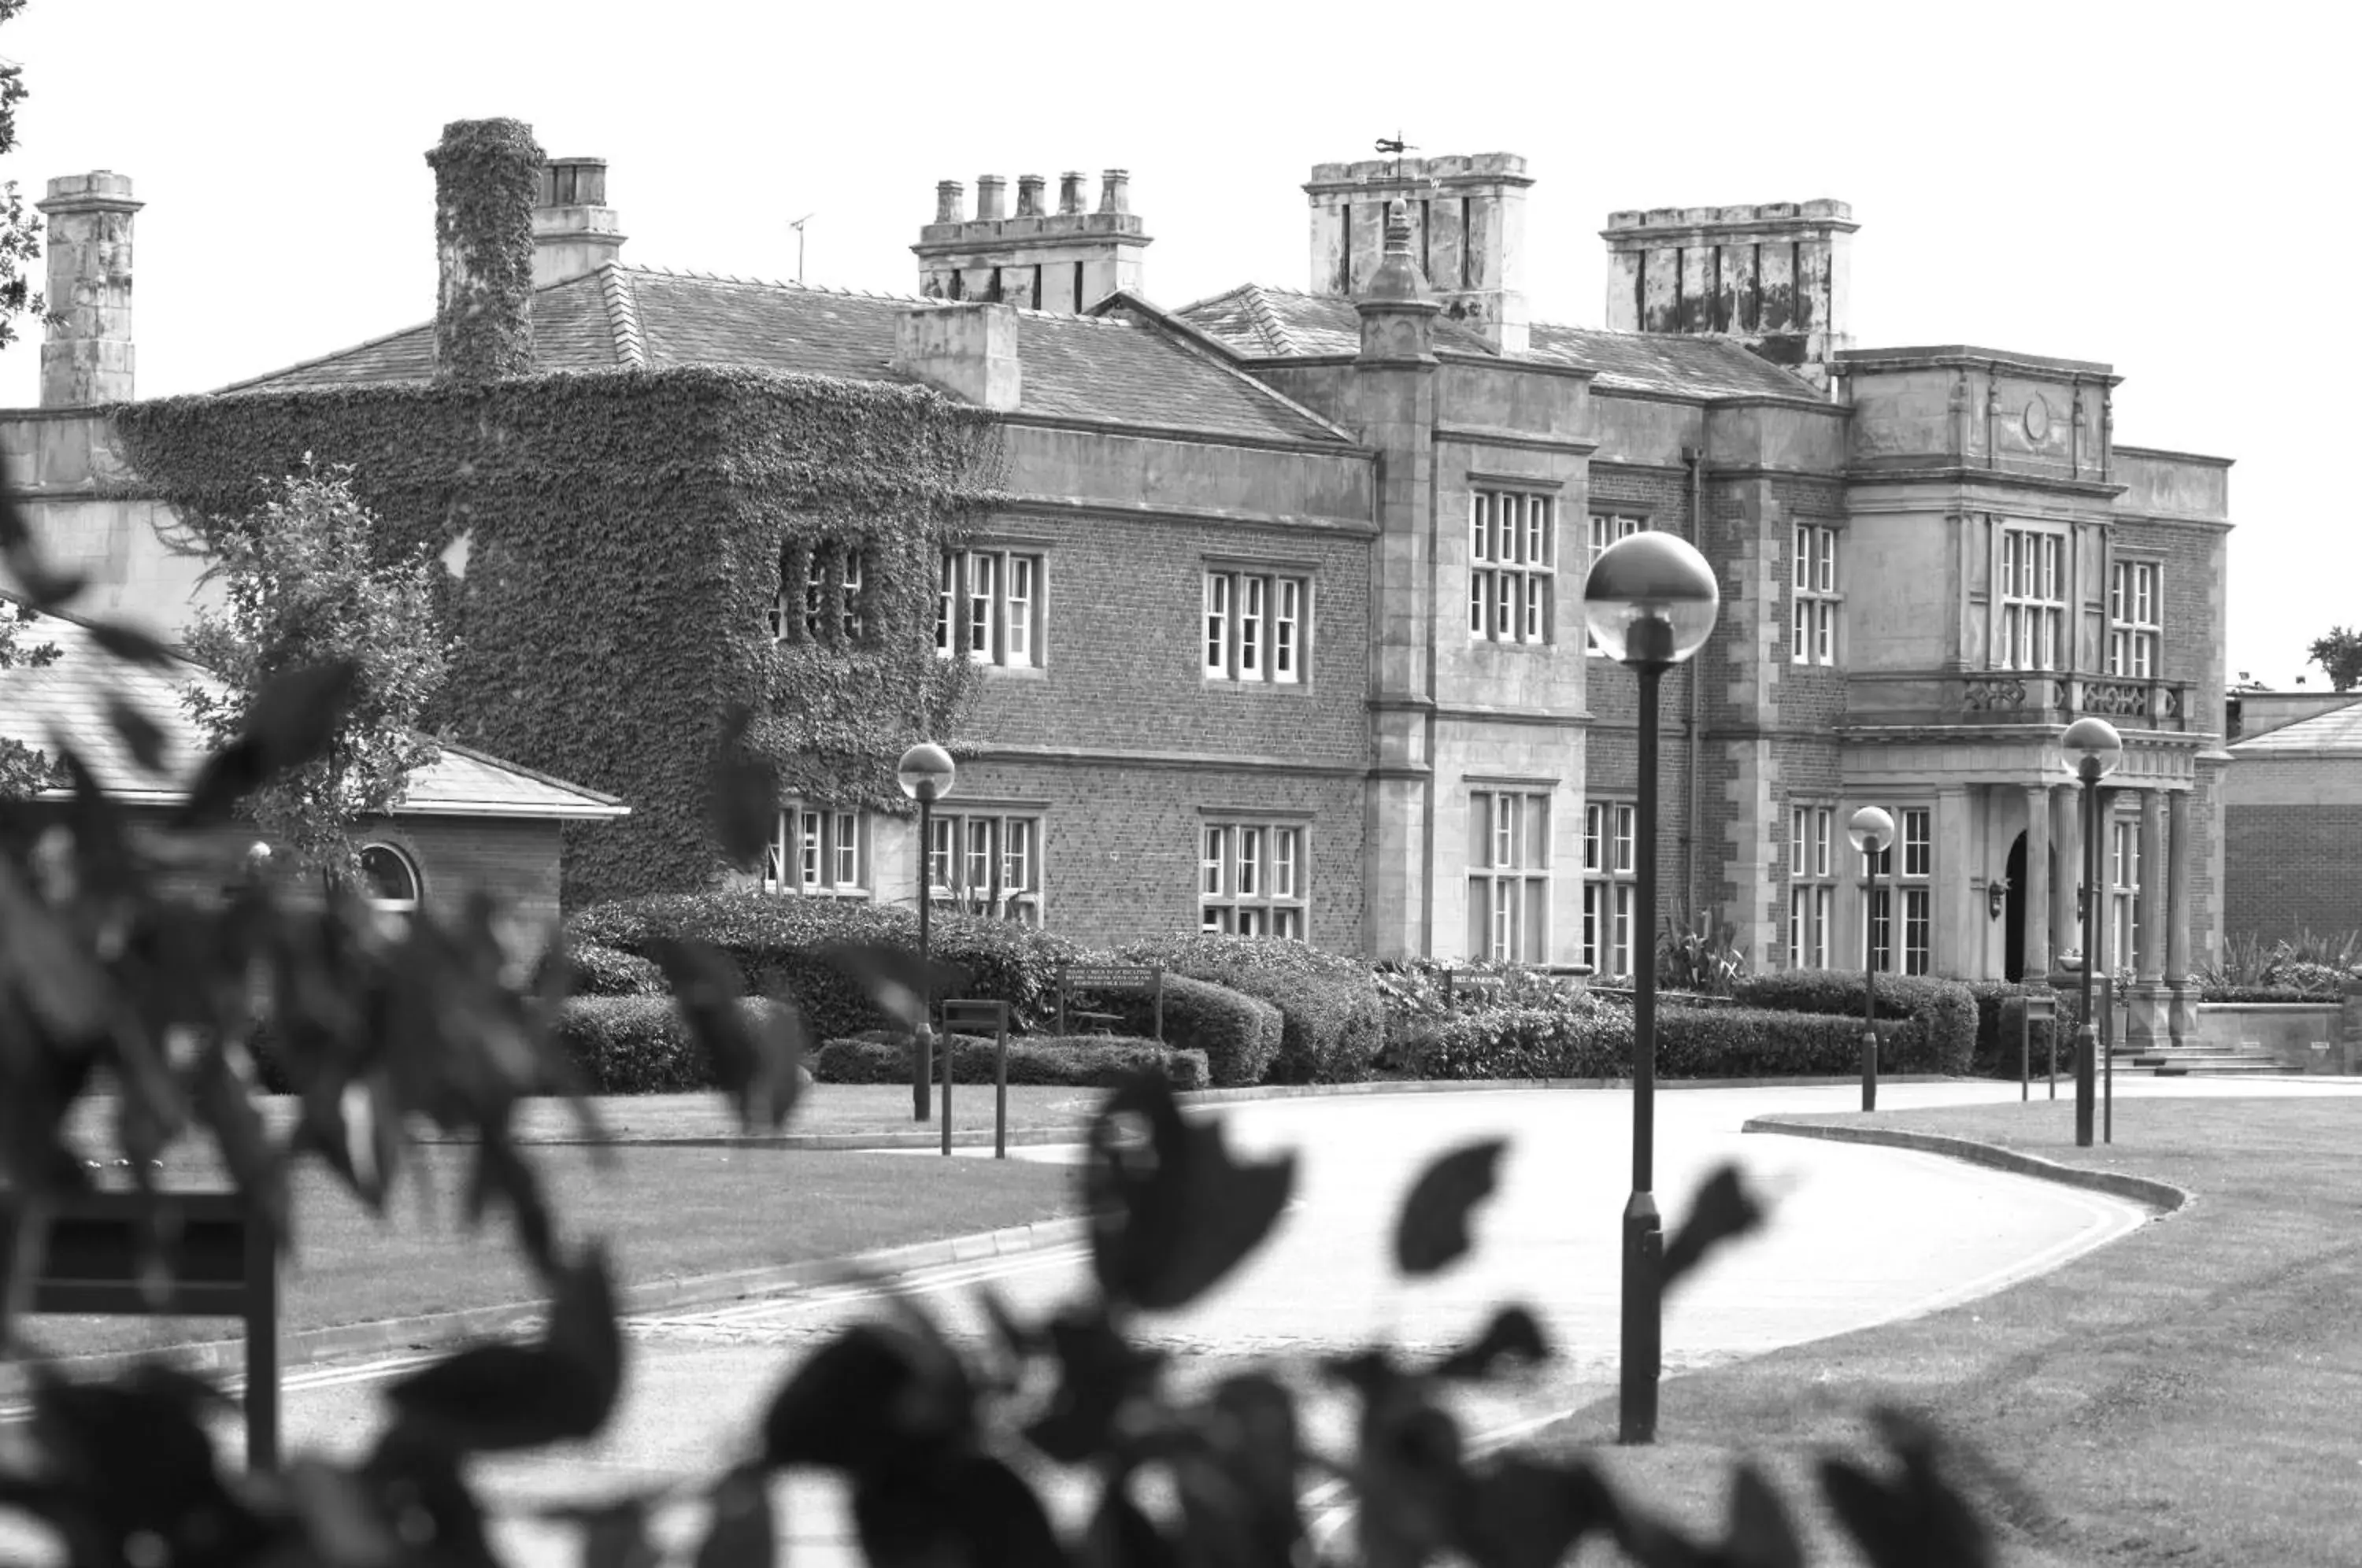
391,1335
2163,1197
1495,1086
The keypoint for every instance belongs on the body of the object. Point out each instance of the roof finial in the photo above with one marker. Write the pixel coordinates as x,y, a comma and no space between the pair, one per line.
1398,276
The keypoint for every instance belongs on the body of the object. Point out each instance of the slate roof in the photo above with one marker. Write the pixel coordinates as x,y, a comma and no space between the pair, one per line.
2335,732
1113,368
66,703
1263,323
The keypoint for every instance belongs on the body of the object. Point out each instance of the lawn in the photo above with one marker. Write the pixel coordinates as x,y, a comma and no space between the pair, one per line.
666,1213
2187,1395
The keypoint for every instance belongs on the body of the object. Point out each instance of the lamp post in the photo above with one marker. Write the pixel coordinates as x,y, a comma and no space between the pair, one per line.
2092,749
926,774
1872,830
1650,600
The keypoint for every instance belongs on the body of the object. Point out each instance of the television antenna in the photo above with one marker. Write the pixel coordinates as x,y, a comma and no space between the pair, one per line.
798,225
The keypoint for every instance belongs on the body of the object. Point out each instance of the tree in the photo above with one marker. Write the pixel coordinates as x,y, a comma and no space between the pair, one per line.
2340,653
24,770
308,586
20,232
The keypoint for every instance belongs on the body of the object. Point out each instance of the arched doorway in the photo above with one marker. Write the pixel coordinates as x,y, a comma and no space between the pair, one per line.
2013,960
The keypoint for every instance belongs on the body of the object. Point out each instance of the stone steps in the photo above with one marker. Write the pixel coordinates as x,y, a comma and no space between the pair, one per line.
2186,1060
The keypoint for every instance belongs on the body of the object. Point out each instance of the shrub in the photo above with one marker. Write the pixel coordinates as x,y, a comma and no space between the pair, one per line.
1078,1061
1699,954
1332,1026
2000,1005
779,941
1595,1040
1946,1012
1238,1033
603,971
639,1044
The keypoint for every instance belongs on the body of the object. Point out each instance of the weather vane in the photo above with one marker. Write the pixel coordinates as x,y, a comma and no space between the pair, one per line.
1397,146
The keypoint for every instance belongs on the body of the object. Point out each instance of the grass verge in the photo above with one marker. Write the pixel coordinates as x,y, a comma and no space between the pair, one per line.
2187,1395
666,1213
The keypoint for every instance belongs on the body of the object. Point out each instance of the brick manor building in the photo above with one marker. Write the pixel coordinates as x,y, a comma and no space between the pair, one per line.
1281,627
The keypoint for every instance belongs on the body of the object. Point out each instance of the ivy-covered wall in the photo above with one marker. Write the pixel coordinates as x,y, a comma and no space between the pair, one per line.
625,533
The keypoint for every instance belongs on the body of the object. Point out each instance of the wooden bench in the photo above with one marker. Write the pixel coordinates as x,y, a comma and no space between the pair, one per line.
195,1254
1121,979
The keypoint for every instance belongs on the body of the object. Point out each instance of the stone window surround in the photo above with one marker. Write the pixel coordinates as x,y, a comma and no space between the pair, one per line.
1276,892
1282,659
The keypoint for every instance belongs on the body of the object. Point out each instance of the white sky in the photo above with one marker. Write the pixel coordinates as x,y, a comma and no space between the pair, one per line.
2165,188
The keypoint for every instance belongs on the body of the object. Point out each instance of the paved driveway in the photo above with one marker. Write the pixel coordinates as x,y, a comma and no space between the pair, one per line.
1859,1235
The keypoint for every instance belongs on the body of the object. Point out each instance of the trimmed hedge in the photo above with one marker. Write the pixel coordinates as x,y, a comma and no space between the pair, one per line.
639,1044
1692,1042
777,941
1238,1033
602,971
1078,1061
1331,1025
2286,995
1945,1010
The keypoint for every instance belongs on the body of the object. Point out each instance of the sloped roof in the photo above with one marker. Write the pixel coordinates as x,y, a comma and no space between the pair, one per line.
1115,368
1263,323
67,703
2337,733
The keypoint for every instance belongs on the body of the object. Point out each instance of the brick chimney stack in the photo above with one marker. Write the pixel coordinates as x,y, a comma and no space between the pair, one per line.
87,357
1467,217
968,350
574,229
1065,261
487,174
1774,276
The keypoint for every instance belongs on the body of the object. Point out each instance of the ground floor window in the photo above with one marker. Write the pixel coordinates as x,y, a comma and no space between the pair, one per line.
1907,945
1252,879
1508,874
1811,884
818,851
2124,892
391,880
987,862
1609,887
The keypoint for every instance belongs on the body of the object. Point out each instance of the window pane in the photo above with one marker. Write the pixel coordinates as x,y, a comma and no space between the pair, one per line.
1624,832
982,574
1283,846
978,870
939,852
1217,623
1476,551
847,850
1017,855
808,857
1593,815
1505,830
945,589
1214,861
1538,531
1252,591
1019,616
1251,863
1284,625
1537,600
1535,920
849,622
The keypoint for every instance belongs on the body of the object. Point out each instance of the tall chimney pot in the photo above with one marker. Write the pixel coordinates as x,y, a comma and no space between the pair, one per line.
487,174
991,191
575,231
1115,191
949,195
1029,195
1070,193
86,357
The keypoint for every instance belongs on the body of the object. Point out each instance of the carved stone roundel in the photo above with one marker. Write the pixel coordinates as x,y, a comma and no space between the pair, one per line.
2038,418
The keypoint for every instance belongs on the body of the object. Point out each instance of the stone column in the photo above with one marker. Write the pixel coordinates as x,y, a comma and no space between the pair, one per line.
2035,958
2182,1005
2145,1024
2067,841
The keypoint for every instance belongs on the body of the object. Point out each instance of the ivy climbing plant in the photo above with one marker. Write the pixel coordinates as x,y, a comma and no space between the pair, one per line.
618,544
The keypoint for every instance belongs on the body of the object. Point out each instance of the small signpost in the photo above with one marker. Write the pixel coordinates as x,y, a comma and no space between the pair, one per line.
187,1254
974,1017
